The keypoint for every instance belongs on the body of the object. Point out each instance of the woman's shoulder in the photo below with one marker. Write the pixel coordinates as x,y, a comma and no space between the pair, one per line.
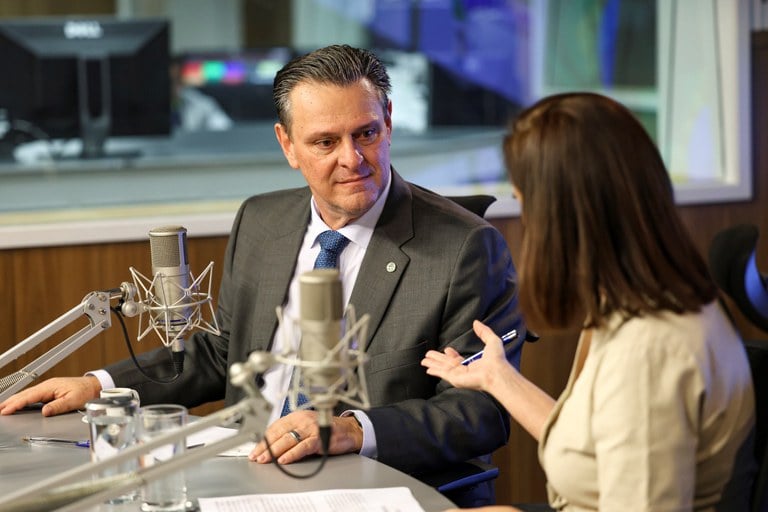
700,335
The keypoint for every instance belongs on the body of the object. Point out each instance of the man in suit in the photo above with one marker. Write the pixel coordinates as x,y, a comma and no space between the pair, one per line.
421,266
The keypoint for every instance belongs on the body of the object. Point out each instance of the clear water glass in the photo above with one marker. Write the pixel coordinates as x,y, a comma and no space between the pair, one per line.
112,423
167,493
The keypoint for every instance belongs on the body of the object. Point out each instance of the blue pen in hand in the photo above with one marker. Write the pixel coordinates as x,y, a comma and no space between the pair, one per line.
506,338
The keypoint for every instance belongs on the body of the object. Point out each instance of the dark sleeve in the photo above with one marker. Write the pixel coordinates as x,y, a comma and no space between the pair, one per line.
453,425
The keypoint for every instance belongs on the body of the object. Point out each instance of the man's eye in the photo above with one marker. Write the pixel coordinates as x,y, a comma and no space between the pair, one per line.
324,143
369,135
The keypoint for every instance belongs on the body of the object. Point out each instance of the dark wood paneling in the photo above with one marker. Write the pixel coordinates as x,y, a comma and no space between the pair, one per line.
7,304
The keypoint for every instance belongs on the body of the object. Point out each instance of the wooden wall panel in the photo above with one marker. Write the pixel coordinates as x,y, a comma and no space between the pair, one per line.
7,304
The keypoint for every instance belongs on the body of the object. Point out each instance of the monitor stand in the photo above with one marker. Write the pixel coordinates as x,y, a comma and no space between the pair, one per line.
95,128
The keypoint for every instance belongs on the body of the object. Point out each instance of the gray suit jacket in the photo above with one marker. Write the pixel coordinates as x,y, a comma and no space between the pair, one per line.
451,267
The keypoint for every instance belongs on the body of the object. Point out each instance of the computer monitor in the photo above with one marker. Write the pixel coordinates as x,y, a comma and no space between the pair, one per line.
87,78
239,81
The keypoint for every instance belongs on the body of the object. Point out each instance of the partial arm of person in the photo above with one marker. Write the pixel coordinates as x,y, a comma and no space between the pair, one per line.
427,424
60,395
526,403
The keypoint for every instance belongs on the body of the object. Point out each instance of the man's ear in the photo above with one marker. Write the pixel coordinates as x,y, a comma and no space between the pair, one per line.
286,144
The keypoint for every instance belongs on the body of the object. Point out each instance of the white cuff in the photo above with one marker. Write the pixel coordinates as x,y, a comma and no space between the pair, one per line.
369,448
104,378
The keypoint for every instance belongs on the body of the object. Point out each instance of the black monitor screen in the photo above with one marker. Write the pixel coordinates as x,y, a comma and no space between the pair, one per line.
87,78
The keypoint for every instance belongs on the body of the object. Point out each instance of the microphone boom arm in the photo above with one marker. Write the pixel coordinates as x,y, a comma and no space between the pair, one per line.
95,306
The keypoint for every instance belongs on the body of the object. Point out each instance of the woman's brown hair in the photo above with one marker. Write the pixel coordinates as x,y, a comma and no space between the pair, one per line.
602,233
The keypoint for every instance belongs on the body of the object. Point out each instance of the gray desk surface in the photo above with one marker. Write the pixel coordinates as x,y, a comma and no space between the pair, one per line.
22,464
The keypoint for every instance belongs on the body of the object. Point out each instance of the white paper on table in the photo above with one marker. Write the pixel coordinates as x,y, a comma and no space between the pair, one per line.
210,435
390,499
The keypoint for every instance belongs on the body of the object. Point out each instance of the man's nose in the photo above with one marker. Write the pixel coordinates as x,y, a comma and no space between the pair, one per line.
350,154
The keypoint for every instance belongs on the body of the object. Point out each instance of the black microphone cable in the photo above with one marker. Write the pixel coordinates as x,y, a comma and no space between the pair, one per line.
119,314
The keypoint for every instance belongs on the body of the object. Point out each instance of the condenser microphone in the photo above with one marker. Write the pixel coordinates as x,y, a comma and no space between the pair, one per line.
320,320
170,266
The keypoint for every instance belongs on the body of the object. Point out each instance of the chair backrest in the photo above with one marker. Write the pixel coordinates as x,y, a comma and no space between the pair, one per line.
757,351
477,204
732,264
746,489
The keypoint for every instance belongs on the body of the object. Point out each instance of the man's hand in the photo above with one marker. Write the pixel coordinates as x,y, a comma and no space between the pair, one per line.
296,436
60,395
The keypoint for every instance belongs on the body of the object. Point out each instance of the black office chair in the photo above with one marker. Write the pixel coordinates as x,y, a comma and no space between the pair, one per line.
757,351
467,484
732,264
477,204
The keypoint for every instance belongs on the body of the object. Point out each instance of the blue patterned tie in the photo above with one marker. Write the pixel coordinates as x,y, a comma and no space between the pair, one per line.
331,244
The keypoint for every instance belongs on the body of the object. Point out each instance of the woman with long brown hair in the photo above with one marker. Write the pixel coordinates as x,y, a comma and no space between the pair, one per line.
660,396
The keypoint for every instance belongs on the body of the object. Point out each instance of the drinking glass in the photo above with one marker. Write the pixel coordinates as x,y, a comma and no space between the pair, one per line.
167,493
112,424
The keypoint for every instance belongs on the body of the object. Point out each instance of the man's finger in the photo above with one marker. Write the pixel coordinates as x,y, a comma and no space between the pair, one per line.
55,407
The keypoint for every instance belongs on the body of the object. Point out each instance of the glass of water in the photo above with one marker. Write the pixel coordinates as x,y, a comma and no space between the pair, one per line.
112,424
168,493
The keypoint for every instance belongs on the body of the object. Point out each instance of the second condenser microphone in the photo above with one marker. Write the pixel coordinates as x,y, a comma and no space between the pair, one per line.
168,245
320,319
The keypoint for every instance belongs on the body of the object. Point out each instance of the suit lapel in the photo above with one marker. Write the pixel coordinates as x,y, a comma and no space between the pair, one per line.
384,262
275,275
380,272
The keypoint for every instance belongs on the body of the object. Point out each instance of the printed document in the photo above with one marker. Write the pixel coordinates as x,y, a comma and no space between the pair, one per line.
392,499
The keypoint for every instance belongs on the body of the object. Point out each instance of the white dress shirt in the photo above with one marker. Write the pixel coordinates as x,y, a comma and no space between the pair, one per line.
359,232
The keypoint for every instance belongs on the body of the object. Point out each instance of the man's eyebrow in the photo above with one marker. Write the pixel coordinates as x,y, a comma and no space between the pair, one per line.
321,135
332,134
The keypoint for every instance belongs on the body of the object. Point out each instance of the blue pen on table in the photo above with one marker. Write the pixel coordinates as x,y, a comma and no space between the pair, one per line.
506,338
55,440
